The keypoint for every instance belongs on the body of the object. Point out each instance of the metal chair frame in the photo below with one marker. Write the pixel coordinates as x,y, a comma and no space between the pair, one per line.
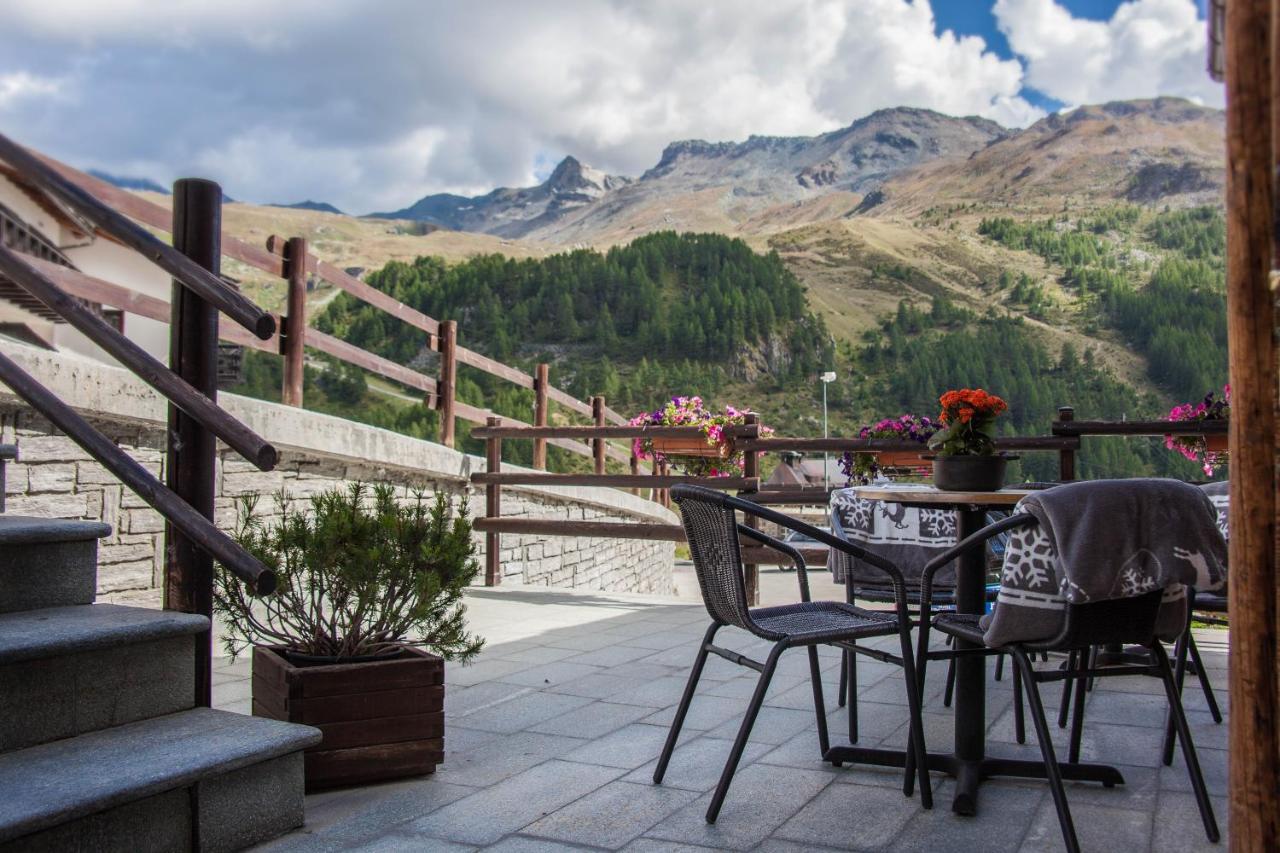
728,606
1085,626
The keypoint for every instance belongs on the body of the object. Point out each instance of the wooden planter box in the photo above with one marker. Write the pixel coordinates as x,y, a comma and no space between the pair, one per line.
1216,443
693,446
381,719
902,459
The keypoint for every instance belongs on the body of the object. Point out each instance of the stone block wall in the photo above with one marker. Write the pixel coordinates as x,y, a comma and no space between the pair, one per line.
53,478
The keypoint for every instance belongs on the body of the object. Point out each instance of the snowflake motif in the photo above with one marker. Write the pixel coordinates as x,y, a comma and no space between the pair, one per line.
938,523
1134,583
1028,559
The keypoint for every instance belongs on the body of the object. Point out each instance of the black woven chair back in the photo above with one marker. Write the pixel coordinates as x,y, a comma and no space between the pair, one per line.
712,530
1117,620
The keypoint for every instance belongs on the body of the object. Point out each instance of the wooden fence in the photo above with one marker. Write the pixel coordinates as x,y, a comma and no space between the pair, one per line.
290,260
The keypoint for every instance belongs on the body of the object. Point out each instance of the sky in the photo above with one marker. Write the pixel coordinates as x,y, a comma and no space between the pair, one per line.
371,105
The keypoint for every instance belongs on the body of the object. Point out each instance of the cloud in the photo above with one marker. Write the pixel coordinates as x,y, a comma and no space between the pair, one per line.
1147,48
372,105
18,85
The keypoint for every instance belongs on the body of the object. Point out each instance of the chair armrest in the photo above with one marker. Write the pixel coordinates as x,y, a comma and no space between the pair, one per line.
964,546
781,547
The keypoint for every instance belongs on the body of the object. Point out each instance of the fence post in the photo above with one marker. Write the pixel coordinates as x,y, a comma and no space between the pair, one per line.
493,508
293,332
635,471
597,444
193,355
751,468
447,387
1066,458
540,381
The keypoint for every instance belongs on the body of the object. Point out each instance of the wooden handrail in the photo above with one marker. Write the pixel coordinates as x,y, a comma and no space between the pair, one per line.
203,283
138,479
145,366
506,431
1138,428
622,481
872,445
352,354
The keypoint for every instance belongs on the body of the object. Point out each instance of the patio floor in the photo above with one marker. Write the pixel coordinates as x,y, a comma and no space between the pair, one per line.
552,735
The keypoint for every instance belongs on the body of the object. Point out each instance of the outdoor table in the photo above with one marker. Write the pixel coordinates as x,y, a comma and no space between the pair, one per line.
967,762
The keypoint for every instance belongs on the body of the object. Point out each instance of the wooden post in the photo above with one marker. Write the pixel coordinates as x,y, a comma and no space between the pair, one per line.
1254,739
293,334
751,468
635,472
492,508
541,379
193,355
447,387
1066,458
597,444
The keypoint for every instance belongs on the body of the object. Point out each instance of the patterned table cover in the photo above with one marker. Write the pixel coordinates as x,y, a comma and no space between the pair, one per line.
909,537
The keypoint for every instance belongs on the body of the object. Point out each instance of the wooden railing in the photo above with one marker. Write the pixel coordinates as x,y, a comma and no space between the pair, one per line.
189,382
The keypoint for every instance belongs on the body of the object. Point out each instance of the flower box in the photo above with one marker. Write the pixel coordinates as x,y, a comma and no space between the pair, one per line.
1216,443
691,446
381,719
902,459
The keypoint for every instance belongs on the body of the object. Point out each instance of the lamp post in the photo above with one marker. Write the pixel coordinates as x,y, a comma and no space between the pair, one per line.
826,378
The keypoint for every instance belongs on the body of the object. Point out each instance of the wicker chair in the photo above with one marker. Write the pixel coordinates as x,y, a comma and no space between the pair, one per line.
1085,626
711,523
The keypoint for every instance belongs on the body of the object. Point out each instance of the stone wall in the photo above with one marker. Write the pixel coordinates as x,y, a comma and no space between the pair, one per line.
54,478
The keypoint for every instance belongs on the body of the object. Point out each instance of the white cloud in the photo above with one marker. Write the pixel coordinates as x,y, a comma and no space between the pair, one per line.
19,85
371,105
1147,48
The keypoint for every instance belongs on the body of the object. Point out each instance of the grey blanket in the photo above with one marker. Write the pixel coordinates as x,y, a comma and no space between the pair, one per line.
908,537
1102,540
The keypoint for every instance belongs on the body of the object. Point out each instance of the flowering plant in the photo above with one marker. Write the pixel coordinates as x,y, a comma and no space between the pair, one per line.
690,411
1194,447
969,416
865,467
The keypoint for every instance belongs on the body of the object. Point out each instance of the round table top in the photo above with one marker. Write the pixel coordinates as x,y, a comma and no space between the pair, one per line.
917,494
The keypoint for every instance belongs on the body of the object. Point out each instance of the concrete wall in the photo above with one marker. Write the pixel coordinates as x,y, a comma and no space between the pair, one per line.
54,478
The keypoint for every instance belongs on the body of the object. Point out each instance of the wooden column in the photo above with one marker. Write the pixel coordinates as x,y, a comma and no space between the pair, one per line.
492,507
447,387
751,468
635,472
1066,458
293,334
192,449
1254,761
597,444
541,378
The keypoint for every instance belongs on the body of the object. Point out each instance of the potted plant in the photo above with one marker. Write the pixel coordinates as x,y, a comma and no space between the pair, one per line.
967,460
1210,448
709,455
353,641
864,466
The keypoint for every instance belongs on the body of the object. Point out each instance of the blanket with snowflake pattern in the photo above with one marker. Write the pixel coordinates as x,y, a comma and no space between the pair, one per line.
1106,539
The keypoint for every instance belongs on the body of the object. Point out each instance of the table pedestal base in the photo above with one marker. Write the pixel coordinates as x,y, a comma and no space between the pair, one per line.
970,774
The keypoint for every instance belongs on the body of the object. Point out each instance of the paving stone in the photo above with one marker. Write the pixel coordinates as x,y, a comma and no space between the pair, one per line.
628,747
1177,824
864,817
611,816
522,711
611,655
548,674
592,721
483,758
657,845
599,685
705,712
460,701
761,799
489,814
658,693
1213,764
534,654
695,764
773,725
465,676
1097,828
524,844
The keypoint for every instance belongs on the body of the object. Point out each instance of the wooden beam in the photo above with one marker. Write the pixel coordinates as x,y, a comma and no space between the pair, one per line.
602,529
352,354
1254,737
597,444
588,432
293,342
541,381
448,382
622,481
493,509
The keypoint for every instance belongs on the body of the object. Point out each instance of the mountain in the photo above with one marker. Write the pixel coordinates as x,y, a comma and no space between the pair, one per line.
509,212
317,206
713,185
129,183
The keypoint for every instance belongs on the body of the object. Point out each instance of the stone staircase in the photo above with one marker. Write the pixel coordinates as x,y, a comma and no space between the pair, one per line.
101,745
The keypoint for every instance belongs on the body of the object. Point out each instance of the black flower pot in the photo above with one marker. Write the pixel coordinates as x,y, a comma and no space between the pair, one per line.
969,473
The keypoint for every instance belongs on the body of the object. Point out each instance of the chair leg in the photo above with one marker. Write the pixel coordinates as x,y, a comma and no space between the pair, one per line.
685,700
1067,685
1019,722
844,677
949,691
1205,686
1091,658
1077,715
744,732
851,696
819,705
916,752
1052,771
1000,666
1188,748
1180,651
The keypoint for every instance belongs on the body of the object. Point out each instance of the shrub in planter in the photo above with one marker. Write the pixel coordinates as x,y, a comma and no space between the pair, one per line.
353,641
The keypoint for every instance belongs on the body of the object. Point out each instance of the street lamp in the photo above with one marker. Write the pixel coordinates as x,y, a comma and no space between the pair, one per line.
827,377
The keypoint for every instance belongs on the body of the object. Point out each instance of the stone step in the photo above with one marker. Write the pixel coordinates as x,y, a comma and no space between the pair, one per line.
66,671
225,780
48,562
